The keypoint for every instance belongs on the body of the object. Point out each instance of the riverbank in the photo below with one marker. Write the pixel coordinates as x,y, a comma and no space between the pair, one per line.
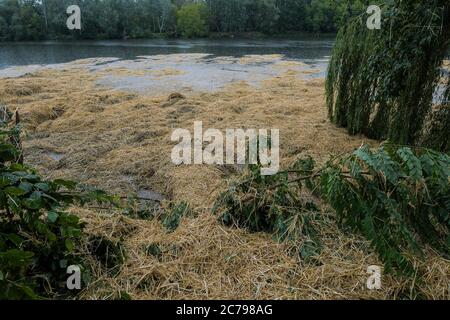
79,127
293,35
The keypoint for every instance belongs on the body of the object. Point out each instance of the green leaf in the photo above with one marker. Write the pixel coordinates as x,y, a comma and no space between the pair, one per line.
26,186
29,292
70,185
7,152
9,178
15,191
42,186
14,238
35,201
51,236
412,162
63,263
33,219
41,227
52,216
4,181
69,245
16,258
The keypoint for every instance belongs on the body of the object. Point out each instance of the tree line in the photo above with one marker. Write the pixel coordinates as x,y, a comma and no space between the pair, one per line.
22,20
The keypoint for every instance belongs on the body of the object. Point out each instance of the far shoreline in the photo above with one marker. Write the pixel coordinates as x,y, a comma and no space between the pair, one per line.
214,36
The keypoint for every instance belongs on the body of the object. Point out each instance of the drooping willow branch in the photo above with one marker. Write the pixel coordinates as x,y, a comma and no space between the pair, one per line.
383,83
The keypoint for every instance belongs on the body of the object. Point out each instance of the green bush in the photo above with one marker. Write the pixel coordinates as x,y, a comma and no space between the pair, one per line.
192,20
272,204
397,197
38,238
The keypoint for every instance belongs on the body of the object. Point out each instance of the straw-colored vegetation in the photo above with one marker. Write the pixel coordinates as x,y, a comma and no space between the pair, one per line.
120,142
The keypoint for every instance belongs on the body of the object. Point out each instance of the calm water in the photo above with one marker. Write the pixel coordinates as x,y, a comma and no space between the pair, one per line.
20,54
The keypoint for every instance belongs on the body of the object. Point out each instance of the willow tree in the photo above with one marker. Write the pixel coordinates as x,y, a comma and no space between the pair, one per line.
385,82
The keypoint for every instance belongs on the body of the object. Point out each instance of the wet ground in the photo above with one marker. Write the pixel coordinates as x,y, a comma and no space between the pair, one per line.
149,66
182,72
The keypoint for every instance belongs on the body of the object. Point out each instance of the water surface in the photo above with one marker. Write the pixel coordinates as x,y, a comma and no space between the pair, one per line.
51,52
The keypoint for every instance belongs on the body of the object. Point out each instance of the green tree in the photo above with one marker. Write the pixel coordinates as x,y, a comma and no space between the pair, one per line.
228,15
119,19
382,83
292,15
191,20
262,15
321,16
4,30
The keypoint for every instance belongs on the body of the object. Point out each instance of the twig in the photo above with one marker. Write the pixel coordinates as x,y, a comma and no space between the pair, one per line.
141,199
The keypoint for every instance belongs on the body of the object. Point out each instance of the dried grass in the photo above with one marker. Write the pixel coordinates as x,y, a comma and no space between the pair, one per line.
133,72
204,260
121,142
446,64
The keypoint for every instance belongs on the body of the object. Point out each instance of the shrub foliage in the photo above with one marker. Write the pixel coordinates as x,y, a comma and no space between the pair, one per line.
397,197
38,238
273,204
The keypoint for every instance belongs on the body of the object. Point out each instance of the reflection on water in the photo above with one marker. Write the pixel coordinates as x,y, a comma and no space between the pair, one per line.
16,54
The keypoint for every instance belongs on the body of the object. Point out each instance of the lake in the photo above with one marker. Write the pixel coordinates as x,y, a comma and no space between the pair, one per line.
50,52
